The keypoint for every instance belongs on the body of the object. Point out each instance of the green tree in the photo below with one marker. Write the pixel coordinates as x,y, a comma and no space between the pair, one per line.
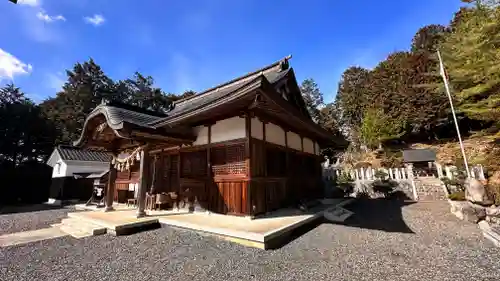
140,91
378,127
25,133
87,85
428,38
352,99
471,54
313,98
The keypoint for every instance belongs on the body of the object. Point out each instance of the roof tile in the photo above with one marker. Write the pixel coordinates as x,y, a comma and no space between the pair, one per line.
76,154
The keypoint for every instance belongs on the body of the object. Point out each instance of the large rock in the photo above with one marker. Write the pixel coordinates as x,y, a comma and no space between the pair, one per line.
468,211
493,211
476,193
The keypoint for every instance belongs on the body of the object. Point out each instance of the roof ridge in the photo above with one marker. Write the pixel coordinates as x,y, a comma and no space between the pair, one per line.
283,63
129,107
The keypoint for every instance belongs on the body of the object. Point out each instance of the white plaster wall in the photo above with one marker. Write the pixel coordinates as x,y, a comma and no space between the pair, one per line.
202,135
84,167
308,146
257,128
228,129
294,141
275,134
59,169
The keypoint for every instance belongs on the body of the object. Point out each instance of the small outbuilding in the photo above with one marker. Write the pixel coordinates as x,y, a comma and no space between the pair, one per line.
74,171
423,161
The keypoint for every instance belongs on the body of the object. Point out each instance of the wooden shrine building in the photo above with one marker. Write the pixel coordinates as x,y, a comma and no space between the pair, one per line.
244,147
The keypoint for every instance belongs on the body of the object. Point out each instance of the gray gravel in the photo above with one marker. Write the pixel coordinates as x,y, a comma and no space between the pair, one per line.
16,219
421,242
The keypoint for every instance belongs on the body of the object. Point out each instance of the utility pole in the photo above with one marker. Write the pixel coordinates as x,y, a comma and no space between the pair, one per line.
447,87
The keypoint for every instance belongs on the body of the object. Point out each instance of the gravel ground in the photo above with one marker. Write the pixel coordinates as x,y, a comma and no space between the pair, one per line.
30,217
384,241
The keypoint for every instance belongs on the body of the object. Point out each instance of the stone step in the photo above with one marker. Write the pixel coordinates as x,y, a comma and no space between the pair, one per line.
76,233
84,225
80,228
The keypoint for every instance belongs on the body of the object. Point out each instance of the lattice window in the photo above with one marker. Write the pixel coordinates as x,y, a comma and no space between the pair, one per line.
228,160
194,164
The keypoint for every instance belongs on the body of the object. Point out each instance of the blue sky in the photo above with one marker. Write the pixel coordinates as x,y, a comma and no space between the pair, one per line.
195,44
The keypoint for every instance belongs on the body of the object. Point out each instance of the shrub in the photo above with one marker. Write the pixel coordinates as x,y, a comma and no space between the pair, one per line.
380,175
385,187
456,184
345,183
457,196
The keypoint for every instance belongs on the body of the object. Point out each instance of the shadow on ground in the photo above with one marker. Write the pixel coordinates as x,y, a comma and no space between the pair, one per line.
384,214
26,208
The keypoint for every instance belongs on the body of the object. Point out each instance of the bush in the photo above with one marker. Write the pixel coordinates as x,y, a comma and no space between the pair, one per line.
345,183
385,187
456,184
457,196
380,175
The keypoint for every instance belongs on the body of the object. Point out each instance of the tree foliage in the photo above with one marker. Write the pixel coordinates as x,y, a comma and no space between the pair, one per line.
408,89
88,85
25,133
352,99
313,98
471,54
378,127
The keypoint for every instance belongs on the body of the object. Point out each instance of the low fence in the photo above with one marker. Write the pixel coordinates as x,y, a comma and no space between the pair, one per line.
332,173
401,173
404,177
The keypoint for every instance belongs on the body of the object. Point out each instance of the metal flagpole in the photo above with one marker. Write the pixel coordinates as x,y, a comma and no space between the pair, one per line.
445,79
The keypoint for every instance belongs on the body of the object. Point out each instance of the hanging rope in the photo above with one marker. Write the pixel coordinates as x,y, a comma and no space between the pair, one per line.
153,182
124,164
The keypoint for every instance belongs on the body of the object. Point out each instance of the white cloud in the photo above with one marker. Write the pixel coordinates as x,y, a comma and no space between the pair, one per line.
95,20
11,66
46,18
32,3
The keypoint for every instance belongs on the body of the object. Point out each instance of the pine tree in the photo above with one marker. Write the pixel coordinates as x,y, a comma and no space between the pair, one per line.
471,54
313,98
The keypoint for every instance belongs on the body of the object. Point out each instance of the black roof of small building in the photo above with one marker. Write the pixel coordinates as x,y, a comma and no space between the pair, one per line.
419,155
76,154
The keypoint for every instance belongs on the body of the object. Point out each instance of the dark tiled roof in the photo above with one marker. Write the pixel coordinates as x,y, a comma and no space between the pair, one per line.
419,155
118,115
76,154
209,97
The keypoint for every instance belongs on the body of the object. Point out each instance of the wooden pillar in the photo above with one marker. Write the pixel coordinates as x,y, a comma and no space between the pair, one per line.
264,158
110,193
143,181
248,151
209,183
209,148
286,146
